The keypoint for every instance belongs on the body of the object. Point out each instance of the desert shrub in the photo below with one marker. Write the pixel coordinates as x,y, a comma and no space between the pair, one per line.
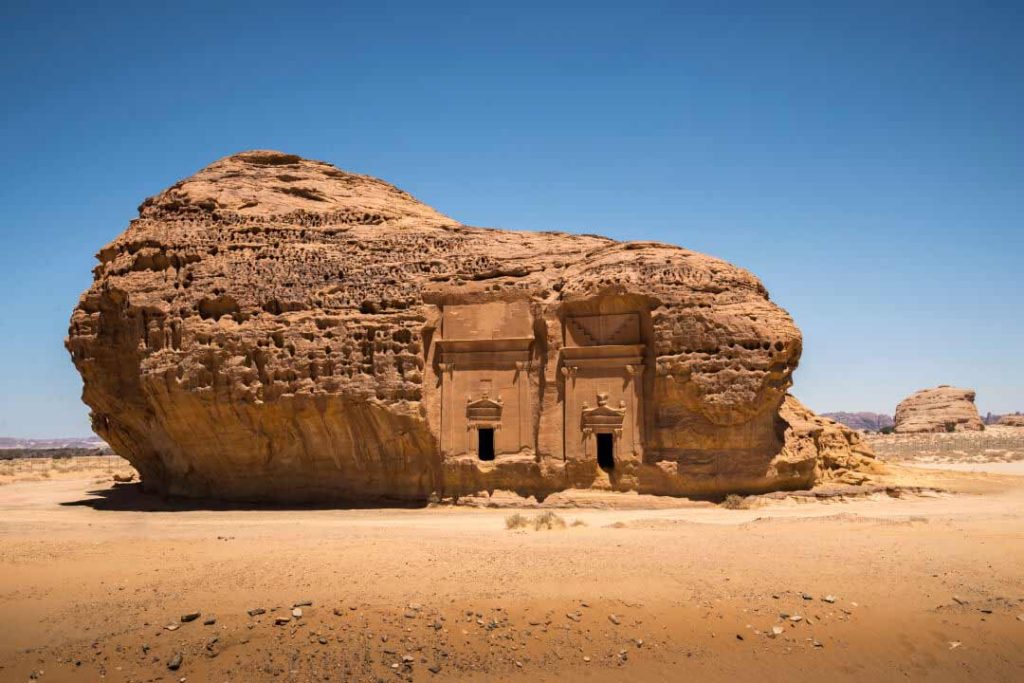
578,522
734,502
886,430
950,427
548,520
516,521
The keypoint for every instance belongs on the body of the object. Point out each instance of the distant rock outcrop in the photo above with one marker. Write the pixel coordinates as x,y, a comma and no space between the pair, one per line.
275,328
868,422
1014,420
942,409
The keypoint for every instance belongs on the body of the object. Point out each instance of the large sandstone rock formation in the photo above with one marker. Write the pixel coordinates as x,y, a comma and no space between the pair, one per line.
942,409
274,328
1012,420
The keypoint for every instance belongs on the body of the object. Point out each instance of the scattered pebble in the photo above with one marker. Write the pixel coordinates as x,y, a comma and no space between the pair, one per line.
175,662
189,616
297,612
829,599
256,611
614,618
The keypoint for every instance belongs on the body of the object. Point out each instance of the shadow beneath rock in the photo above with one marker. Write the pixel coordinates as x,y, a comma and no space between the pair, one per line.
132,498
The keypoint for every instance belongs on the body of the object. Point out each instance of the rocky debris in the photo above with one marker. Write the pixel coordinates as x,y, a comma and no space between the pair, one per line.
174,663
124,478
864,422
256,611
209,621
189,616
270,329
942,409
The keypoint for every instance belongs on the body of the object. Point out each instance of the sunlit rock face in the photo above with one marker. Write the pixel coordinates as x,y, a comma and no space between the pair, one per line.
942,409
277,329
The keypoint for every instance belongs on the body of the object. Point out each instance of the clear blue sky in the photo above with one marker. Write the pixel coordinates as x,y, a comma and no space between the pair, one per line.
865,159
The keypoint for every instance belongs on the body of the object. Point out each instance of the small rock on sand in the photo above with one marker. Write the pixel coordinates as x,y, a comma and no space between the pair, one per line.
174,663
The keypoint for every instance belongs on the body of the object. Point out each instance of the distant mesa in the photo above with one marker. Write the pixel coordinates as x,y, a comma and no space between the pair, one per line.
277,329
77,442
865,422
942,409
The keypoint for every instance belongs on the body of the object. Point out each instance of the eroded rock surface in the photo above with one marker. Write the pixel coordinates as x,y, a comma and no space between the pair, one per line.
942,409
274,328
1012,420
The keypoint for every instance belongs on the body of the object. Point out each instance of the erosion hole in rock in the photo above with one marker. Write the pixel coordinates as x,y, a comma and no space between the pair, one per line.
485,444
605,452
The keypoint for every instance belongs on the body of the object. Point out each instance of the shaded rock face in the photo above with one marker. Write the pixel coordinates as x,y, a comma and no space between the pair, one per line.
942,409
274,328
870,422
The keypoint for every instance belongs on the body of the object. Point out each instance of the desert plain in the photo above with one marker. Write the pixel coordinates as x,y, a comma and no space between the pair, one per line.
914,575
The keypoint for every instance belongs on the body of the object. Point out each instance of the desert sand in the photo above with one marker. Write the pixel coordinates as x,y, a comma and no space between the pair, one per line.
916,577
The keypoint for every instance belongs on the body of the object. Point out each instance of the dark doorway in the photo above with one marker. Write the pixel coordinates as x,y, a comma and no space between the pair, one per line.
605,452
485,444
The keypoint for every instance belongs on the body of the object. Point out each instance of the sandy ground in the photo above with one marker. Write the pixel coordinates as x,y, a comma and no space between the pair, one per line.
997,443
928,586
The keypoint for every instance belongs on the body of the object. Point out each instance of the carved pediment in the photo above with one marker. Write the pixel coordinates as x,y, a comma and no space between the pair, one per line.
603,417
484,409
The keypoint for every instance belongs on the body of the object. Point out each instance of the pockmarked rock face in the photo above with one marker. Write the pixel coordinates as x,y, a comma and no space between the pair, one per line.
274,328
942,409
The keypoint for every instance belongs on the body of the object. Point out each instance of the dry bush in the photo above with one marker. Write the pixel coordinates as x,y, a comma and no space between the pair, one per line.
516,521
545,520
548,520
734,502
578,522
